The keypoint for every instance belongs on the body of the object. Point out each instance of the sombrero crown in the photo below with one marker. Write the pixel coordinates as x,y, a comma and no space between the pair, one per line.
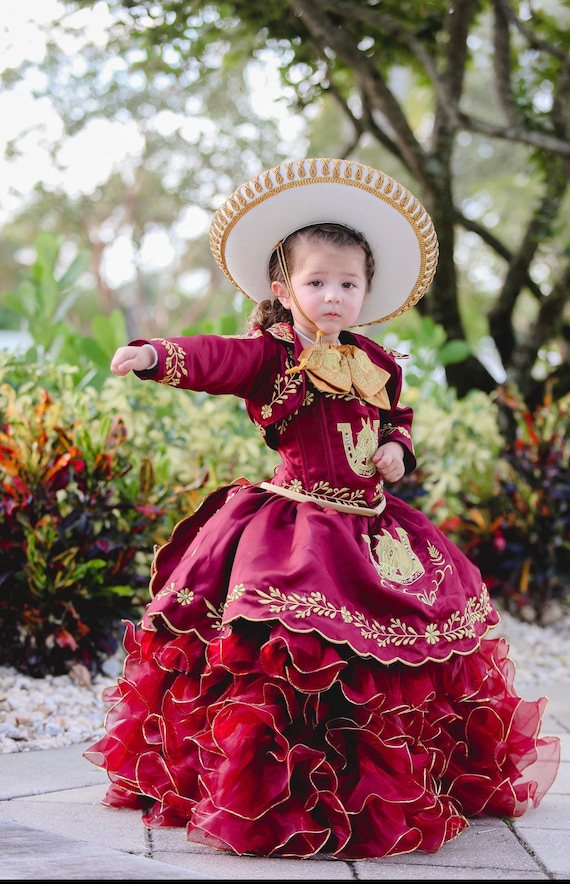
281,200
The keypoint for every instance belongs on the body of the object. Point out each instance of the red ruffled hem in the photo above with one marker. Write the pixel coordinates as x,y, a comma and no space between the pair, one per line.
270,743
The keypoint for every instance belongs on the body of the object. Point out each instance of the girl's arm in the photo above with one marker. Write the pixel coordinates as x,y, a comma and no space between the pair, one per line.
207,363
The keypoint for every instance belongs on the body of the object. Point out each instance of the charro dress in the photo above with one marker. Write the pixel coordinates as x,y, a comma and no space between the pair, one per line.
312,672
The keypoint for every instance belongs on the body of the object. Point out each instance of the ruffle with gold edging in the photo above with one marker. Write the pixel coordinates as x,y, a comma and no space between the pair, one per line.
268,743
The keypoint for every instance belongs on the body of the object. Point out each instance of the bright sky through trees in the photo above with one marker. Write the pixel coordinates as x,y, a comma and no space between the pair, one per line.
33,125
33,120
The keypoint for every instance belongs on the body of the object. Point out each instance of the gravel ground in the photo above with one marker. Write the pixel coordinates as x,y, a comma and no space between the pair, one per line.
57,711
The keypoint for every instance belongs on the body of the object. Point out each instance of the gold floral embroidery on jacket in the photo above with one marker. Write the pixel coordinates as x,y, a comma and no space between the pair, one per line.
282,425
378,491
389,430
394,353
260,429
282,331
345,397
175,363
396,633
282,389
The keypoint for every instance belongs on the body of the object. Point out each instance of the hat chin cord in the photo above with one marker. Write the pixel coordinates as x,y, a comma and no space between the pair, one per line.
285,271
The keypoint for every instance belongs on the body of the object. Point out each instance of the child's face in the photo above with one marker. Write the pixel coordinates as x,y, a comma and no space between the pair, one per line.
330,285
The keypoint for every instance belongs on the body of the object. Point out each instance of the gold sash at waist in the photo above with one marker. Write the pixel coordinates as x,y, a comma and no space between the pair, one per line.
321,501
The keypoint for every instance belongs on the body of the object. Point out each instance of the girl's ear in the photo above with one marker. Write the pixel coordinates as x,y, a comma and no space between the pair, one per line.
281,292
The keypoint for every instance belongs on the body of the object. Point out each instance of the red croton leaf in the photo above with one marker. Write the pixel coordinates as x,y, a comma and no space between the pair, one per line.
64,639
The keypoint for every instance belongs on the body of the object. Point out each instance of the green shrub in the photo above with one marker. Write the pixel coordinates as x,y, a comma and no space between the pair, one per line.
75,535
518,532
90,482
457,444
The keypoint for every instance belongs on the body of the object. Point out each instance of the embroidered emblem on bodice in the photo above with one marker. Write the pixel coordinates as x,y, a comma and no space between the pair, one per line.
359,455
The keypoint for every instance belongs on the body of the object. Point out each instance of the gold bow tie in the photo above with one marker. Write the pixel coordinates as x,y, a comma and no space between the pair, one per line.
337,369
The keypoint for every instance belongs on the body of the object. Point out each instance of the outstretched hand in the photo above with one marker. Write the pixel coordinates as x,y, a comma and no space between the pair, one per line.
389,460
131,358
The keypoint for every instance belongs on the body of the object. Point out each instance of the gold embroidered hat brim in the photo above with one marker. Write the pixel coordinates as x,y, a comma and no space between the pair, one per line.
247,227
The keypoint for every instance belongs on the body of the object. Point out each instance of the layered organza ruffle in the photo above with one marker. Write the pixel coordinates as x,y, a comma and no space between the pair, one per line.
273,743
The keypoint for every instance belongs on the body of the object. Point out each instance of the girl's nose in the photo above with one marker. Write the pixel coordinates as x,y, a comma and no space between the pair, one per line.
333,294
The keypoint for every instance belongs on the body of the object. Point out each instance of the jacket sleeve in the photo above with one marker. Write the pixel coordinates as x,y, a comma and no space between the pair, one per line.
396,423
397,427
215,364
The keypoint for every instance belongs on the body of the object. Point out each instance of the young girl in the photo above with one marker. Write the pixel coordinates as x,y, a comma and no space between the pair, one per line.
313,671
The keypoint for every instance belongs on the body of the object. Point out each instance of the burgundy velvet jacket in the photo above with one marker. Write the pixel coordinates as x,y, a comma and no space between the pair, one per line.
325,441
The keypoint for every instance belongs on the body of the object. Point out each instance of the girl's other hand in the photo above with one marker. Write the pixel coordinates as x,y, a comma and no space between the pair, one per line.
389,460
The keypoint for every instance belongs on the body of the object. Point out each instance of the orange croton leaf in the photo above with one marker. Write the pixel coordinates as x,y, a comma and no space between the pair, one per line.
117,434
525,576
103,467
529,423
477,517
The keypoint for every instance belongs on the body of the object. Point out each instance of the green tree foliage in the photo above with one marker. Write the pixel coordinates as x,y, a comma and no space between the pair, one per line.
428,90
185,140
44,298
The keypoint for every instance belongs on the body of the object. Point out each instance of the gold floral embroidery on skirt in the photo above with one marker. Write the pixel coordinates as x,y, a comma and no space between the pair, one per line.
315,605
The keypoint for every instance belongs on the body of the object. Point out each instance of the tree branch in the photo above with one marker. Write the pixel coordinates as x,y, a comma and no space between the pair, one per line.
506,10
374,88
531,137
539,228
502,65
497,246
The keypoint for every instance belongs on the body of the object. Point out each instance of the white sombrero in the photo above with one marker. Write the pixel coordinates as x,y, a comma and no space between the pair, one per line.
268,208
